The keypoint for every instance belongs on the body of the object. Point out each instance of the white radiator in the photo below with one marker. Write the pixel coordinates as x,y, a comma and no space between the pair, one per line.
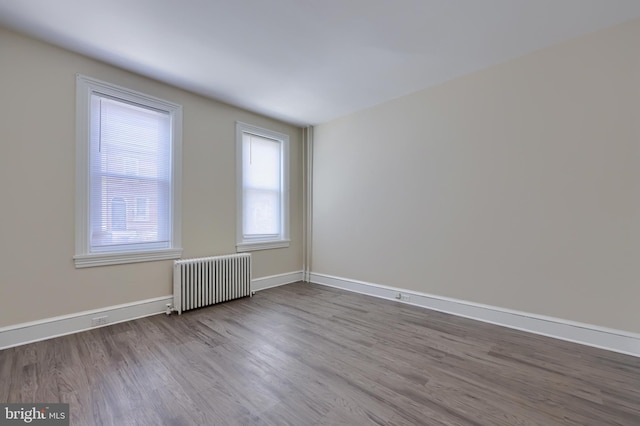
209,280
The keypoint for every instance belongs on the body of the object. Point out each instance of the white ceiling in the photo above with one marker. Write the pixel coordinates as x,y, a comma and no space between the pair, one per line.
305,61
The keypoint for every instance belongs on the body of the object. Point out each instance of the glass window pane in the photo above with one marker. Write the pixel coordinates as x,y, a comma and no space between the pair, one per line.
261,162
261,212
130,161
261,167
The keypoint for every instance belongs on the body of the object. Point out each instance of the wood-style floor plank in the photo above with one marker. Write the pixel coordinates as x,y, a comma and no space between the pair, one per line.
304,354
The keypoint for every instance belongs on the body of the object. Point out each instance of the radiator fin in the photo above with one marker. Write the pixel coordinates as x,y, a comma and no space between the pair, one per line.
209,280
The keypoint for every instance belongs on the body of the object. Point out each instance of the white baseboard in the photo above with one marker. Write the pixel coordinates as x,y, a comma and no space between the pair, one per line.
264,283
586,334
48,328
34,331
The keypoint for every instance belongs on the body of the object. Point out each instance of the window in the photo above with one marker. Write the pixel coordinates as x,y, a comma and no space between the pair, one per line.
263,188
128,169
142,209
118,214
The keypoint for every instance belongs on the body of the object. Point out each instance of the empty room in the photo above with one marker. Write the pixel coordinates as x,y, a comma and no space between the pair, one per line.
280,212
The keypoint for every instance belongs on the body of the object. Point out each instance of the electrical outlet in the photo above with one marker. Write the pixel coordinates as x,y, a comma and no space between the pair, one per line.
403,297
95,322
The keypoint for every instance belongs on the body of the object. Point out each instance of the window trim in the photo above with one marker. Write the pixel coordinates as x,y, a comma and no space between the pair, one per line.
85,87
282,240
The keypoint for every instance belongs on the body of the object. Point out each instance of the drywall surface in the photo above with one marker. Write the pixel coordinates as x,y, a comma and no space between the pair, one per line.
516,186
38,278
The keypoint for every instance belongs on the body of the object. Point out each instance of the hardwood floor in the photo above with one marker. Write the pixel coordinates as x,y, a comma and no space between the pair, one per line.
305,354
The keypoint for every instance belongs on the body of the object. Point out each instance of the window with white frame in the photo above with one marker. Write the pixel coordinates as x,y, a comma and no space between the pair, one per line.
263,188
128,170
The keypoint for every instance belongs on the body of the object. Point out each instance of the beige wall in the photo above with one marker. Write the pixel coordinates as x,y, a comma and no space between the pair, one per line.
517,186
37,187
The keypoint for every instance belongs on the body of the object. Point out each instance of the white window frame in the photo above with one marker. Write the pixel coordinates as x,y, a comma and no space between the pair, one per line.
282,240
85,87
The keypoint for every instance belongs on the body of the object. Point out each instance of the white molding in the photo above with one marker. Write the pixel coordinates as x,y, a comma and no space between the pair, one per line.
34,331
85,87
102,259
48,328
264,283
585,334
263,245
246,244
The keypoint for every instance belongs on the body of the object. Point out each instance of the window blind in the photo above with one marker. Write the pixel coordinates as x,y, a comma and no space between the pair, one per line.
130,176
262,186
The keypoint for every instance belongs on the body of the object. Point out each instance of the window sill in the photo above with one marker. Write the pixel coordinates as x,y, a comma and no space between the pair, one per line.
262,245
103,259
